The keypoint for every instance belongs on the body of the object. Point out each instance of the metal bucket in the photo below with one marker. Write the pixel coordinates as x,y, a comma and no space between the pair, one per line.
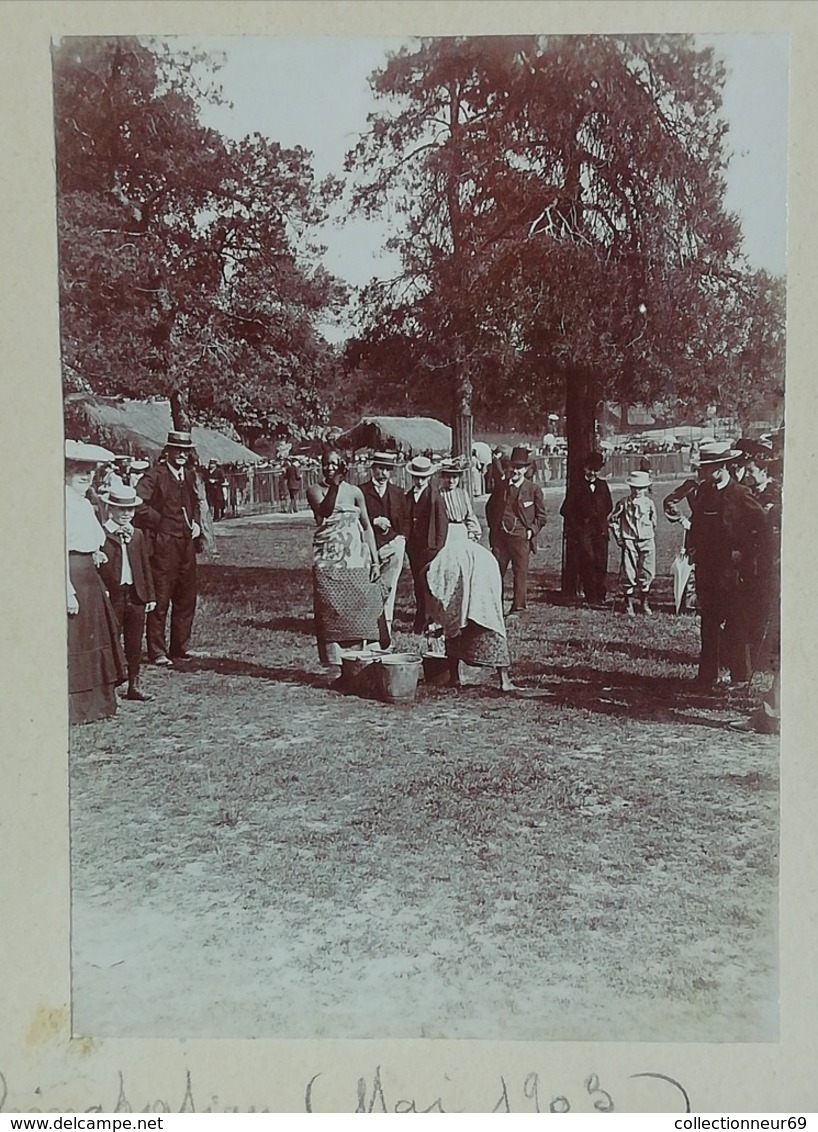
436,669
353,666
396,677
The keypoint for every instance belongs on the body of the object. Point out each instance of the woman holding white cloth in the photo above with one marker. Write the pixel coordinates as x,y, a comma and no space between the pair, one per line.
465,579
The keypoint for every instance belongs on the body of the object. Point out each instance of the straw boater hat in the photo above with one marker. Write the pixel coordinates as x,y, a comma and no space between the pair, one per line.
122,496
82,453
715,455
639,479
179,440
421,466
385,460
453,466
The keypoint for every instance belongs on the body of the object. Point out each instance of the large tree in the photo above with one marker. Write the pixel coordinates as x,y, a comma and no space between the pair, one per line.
186,267
560,220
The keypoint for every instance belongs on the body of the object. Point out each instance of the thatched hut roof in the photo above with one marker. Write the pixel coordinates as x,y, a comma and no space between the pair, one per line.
410,435
140,428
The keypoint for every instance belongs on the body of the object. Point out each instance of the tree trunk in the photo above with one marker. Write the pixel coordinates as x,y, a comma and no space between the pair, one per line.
581,399
178,412
463,430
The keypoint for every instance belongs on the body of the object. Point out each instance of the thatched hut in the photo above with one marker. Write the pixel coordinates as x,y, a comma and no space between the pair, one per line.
140,429
407,435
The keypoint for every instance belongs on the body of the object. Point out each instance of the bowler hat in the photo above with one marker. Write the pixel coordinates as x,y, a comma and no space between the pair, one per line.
421,467
520,458
81,453
593,461
179,440
639,479
122,496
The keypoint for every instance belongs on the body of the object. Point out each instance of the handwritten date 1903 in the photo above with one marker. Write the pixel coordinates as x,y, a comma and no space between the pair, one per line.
533,1097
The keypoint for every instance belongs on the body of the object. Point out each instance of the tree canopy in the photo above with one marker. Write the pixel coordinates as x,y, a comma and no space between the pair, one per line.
561,229
186,262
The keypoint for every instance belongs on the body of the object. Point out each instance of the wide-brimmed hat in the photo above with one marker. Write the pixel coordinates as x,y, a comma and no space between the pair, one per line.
179,440
123,458
81,453
520,458
421,466
385,460
754,449
639,479
453,466
715,455
120,495
139,465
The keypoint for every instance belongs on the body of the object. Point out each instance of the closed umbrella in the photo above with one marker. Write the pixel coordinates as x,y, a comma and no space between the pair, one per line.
680,570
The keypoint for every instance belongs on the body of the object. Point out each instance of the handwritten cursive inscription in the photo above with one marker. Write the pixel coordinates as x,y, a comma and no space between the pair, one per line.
530,1093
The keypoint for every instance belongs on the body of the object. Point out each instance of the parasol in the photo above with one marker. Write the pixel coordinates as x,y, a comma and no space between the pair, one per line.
483,453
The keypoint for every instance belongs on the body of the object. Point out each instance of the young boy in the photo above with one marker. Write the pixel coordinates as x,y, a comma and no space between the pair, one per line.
128,579
633,524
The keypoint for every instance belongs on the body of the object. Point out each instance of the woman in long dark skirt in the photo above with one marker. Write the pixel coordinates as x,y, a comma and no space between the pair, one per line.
96,664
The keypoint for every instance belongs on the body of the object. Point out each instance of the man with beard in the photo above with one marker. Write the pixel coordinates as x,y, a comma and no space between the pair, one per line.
728,537
586,510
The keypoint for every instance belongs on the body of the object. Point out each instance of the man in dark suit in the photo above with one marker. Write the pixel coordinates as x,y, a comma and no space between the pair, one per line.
586,509
427,525
128,579
729,541
388,510
515,515
292,478
171,513
216,489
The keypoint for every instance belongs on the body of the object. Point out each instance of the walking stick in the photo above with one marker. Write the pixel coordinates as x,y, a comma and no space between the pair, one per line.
759,652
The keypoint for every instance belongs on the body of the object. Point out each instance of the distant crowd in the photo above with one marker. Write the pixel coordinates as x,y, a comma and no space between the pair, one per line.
134,533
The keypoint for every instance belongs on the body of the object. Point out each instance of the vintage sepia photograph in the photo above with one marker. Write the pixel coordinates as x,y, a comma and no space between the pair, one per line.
424,441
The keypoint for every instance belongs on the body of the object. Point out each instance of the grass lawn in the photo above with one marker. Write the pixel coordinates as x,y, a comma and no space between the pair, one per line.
255,854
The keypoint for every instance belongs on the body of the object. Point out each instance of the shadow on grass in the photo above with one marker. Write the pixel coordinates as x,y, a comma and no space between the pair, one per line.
643,652
303,625
657,699
232,666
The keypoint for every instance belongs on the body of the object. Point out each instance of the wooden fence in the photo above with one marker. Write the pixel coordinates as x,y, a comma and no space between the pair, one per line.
263,490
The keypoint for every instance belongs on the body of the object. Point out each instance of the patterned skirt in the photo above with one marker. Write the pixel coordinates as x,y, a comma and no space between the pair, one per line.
482,647
346,604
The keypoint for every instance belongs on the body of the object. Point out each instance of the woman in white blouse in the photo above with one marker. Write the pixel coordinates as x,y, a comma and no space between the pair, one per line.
96,663
465,579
